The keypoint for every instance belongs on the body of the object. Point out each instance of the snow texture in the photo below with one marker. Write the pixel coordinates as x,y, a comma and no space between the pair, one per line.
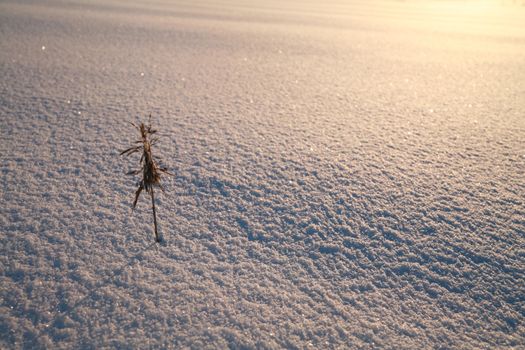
347,174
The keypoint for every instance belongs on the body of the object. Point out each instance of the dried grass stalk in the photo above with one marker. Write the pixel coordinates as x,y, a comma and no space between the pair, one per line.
150,169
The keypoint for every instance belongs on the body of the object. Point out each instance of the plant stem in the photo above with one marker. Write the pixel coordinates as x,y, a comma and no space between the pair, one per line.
157,238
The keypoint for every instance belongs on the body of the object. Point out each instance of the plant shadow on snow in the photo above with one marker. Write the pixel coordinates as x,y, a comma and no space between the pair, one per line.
60,325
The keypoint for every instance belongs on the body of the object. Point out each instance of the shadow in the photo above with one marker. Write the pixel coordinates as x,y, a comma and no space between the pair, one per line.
59,317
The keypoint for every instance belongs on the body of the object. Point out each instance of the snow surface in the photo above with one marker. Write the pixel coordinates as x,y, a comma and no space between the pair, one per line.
348,175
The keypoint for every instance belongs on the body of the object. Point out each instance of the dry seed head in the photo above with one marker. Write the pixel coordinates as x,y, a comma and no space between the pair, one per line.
151,171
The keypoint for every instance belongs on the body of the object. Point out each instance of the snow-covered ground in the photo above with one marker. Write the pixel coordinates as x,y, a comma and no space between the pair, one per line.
347,175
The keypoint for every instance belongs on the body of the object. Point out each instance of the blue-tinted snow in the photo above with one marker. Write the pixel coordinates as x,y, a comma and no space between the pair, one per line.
347,175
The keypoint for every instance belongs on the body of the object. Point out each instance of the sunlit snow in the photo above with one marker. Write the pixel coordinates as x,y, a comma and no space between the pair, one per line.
347,174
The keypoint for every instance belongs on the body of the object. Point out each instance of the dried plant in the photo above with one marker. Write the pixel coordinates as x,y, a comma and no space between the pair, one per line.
150,169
